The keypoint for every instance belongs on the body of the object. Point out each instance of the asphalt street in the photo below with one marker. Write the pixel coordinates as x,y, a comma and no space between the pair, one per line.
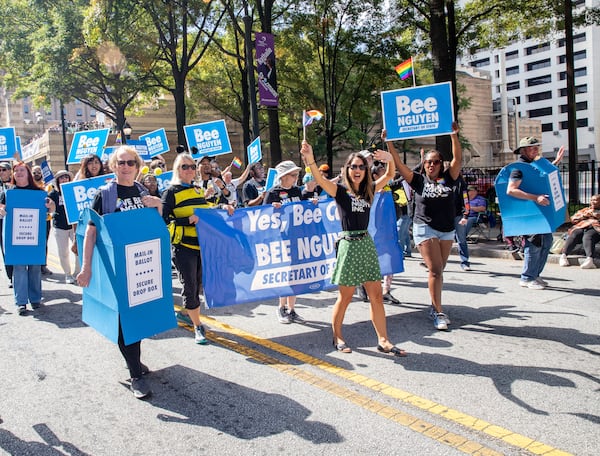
517,373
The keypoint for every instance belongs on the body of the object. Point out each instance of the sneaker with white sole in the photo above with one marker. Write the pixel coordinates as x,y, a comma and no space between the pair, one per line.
588,264
541,281
139,387
283,315
532,284
184,318
433,314
563,261
439,321
294,317
200,335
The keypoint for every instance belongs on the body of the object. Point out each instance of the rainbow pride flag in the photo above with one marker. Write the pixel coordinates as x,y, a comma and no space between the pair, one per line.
236,162
310,116
405,69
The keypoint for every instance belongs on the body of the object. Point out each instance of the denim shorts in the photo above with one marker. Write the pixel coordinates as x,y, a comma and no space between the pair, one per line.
423,232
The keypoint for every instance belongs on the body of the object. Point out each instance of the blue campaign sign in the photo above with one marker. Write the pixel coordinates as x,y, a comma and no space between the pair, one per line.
415,112
156,141
19,148
46,172
271,179
523,217
87,142
8,143
208,138
131,275
261,252
78,195
141,148
24,227
164,180
254,151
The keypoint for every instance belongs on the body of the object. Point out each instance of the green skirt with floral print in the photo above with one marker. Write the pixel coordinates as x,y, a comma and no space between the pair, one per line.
357,261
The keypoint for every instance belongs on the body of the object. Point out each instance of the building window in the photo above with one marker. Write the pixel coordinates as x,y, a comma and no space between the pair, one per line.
497,74
512,70
539,80
579,72
581,106
538,48
547,127
515,85
539,96
538,65
512,55
578,89
92,113
26,109
579,3
547,111
580,37
579,55
79,112
580,123
481,62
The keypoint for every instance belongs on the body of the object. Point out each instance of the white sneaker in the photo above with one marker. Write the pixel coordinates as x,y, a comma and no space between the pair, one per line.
563,261
70,280
588,263
532,284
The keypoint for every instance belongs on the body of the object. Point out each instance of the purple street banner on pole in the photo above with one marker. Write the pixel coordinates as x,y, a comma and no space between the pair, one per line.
523,217
24,227
131,275
208,138
87,142
262,253
265,64
156,141
8,143
415,112
78,195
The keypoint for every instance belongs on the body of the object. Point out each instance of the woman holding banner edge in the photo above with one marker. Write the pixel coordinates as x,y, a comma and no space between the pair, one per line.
357,262
433,226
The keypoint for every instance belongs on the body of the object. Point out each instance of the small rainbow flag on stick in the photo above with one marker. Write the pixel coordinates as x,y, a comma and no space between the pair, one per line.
236,162
310,116
405,69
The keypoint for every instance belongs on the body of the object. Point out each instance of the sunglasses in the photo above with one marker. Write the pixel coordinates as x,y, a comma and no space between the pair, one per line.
185,167
355,167
433,162
127,162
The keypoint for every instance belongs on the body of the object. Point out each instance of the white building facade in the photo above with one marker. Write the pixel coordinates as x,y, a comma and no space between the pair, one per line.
531,76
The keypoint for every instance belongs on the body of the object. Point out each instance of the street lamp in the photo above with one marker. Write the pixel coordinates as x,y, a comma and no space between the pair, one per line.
39,118
127,131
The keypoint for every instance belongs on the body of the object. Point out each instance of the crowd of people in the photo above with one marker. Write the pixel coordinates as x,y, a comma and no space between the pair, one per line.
432,201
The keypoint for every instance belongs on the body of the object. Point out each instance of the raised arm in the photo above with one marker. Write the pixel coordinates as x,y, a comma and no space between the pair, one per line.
404,170
456,163
390,170
309,160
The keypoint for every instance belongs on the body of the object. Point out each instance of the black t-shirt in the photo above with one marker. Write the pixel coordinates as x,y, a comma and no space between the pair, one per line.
434,201
251,189
282,195
354,211
128,198
59,219
517,174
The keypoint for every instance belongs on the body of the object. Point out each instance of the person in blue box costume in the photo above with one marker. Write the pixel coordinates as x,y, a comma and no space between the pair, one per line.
122,194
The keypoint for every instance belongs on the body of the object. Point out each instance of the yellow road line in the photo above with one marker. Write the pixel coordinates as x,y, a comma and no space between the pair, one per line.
512,438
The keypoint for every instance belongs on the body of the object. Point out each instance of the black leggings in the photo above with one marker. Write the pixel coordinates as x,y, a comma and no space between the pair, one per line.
589,237
189,265
132,354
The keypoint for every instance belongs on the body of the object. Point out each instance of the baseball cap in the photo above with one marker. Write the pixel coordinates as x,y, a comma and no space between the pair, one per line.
324,167
472,187
5,165
526,142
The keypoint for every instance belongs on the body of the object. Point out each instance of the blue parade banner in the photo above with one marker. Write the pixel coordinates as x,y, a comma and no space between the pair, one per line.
131,275
46,172
522,217
164,180
78,195
141,148
261,252
8,143
208,138
87,142
420,111
156,141
24,227
254,151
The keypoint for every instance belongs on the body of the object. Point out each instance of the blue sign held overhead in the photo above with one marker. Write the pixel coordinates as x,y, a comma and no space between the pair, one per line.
156,141
141,148
46,172
19,147
209,138
415,112
8,143
87,142
164,180
271,179
254,151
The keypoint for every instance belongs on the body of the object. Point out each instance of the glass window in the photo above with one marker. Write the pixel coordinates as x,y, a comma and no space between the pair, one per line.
481,62
539,96
547,127
537,48
547,111
515,85
538,65
539,80
512,70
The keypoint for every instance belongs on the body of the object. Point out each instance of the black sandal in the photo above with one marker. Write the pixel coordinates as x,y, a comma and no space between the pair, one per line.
394,350
341,347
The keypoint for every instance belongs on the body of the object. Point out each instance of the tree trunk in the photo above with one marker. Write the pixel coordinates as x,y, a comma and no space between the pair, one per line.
180,108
